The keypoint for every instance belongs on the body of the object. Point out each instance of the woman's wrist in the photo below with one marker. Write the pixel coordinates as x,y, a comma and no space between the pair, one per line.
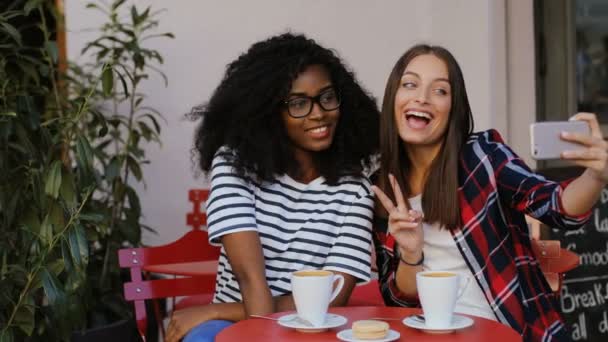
411,259
596,176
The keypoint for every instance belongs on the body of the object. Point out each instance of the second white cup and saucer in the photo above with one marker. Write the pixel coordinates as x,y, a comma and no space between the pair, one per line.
312,291
458,322
438,292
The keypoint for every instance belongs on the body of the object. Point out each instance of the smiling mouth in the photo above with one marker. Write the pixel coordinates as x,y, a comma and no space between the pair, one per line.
418,119
320,129
319,132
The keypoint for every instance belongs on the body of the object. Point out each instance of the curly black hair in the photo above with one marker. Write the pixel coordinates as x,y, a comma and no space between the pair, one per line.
244,112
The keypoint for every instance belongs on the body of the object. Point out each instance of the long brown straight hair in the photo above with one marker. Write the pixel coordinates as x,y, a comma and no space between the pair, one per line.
440,191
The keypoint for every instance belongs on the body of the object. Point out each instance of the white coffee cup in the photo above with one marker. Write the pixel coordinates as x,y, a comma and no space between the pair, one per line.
312,293
438,292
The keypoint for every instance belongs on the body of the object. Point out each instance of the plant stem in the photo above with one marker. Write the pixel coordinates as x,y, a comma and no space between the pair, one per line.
49,61
32,275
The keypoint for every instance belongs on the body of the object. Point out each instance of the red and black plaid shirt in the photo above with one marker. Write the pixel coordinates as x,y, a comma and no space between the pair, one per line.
496,190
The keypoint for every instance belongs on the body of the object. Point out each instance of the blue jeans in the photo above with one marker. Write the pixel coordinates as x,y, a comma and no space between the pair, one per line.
207,331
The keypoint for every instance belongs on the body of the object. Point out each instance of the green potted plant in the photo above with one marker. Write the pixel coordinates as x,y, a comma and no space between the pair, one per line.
71,147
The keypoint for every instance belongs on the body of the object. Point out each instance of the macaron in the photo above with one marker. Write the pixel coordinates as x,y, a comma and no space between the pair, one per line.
369,329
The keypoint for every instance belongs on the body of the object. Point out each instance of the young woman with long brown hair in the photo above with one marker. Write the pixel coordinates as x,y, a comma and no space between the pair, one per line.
451,199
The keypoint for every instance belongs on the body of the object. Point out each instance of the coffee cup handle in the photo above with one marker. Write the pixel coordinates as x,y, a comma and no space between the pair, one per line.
340,279
467,280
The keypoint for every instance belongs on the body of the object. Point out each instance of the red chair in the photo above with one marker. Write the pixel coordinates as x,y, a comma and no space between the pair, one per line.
192,247
367,294
197,217
554,261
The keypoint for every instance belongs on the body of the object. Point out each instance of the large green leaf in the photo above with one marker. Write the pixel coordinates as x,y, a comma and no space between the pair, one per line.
134,167
79,248
146,132
84,157
153,120
125,88
134,203
67,189
107,80
46,230
53,180
51,286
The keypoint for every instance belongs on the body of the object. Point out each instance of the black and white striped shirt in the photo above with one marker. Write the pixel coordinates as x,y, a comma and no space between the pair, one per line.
301,226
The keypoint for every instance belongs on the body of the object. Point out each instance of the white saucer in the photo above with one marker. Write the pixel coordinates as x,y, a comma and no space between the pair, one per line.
347,335
458,322
331,321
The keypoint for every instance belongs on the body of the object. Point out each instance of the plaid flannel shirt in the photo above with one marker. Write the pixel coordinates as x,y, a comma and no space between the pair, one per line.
495,190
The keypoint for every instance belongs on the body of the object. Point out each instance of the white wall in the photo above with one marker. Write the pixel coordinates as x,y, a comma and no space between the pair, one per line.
521,76
369,35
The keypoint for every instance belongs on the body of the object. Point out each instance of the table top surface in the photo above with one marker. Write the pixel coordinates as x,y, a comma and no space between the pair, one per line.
267,330
185,268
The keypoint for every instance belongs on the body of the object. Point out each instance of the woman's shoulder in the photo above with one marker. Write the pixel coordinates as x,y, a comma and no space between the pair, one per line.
486,142
487,137
224,154
486,147
224,169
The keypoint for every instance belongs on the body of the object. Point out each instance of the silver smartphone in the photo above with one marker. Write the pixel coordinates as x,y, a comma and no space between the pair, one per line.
545,141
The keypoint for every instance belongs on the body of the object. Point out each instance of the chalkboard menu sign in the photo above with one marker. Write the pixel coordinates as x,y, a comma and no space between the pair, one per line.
584,295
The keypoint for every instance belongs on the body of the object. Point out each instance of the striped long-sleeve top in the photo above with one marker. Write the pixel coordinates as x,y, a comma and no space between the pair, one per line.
301,226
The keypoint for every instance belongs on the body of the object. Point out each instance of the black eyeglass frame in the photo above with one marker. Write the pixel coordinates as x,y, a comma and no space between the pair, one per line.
313,100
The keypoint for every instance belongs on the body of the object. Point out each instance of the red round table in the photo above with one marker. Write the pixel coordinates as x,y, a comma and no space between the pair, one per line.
189,269
255,329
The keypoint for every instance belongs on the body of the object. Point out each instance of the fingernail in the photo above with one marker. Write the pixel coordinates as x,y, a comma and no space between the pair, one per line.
565,134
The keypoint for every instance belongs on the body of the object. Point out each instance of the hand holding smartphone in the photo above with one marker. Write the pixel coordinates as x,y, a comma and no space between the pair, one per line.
545,140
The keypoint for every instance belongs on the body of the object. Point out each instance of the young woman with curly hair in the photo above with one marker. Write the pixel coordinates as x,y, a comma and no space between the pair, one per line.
455,200
287,138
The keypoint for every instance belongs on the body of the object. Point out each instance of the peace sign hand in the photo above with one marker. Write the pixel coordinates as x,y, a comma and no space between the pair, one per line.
403,224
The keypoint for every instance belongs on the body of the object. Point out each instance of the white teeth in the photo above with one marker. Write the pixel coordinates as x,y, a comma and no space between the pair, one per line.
419,114
319,129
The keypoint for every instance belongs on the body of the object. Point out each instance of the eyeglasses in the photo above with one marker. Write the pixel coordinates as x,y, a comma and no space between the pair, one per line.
301,106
